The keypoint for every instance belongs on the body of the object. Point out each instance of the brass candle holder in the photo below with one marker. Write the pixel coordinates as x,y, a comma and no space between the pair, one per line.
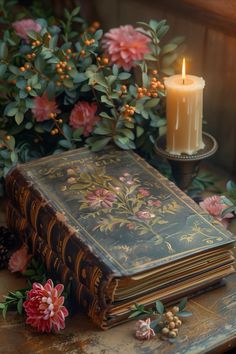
185,167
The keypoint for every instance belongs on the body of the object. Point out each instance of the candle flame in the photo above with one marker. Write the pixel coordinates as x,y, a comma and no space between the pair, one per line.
183,70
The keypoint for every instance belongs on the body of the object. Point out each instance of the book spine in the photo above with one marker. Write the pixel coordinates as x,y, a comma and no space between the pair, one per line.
56,268
54,229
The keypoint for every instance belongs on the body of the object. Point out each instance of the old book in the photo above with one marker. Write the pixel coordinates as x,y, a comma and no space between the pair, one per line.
145,237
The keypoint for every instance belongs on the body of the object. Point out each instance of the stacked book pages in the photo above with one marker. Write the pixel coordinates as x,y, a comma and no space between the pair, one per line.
117,230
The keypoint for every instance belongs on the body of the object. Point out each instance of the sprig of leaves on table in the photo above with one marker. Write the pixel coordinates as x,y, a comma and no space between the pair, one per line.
158,315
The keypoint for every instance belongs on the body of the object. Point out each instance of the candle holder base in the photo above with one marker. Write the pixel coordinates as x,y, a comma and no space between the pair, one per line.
185,167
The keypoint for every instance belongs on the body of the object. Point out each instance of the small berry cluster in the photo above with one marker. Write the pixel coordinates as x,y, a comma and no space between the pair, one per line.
128,112
62,69
171,323
94,26
102,61
55,131
154,86
89,42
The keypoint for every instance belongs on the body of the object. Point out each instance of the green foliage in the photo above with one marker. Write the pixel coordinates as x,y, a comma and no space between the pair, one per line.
65,62
231,202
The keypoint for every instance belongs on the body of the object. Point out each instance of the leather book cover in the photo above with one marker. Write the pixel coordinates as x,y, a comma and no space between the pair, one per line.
115,208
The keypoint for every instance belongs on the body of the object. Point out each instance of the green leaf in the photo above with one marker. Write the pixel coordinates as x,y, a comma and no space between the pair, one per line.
77,133
39,63
183,303
67,131
135,314
184,314
20,306
105,115
3,69
124,76
160,307
65,144
3,50
178,40
100,143
29,272
153,102
14,157
104,99
230,209
169,59
139,131
18,294
98,34
76,11
4,311
2,305
170,47
19,117
11,142
154,323
115,70
150,57
162,31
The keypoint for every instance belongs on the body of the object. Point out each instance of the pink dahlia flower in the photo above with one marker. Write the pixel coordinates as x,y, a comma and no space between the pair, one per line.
19,260
24,26
125,45
44,307
43,107
215,206
143,330
84,115
155,203
101,198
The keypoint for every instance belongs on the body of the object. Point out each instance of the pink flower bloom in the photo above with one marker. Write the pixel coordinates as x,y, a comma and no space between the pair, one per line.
19,260
145,215
144,192
24,26
215,206
84,115
101,198
44,308
155,203
143,330
125,45
43,107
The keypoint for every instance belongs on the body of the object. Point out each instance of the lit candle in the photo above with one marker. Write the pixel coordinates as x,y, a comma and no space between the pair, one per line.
184,104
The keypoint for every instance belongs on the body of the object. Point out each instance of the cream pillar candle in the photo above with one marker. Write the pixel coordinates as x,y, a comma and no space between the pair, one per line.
184,104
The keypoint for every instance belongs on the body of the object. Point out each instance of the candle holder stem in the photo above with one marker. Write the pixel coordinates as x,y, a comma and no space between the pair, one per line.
185,167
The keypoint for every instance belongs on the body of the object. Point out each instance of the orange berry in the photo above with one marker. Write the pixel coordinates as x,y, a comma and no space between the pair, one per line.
140,95
92,41
105,61
28,88
98,59
148,94
96,24
59,84
62,77
60,121
56,131
22,69
58,66
69,68
154,72
49,36
74,55
59,70
123,88
51,115
67,57
29,56
82,52
68,51
92,29
155,94
27,66
37,43
34,43
87,42
33,55
7,138
52,132
67,76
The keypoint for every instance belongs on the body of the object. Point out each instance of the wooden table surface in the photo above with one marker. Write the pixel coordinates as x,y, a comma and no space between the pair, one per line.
211,329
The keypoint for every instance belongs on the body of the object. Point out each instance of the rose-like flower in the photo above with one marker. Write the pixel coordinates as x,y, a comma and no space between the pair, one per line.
84,115
143,330
144,192
124,45
44,307
101,198
43,107
19,260
145,215
155,203
24,26
215,206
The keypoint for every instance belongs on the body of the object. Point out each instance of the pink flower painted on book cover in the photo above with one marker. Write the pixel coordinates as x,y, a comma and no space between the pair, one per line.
19,260
101,198
24,26
143,330
125,45
44,307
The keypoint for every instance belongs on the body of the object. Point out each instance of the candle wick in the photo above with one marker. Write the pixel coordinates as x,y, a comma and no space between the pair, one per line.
183,81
